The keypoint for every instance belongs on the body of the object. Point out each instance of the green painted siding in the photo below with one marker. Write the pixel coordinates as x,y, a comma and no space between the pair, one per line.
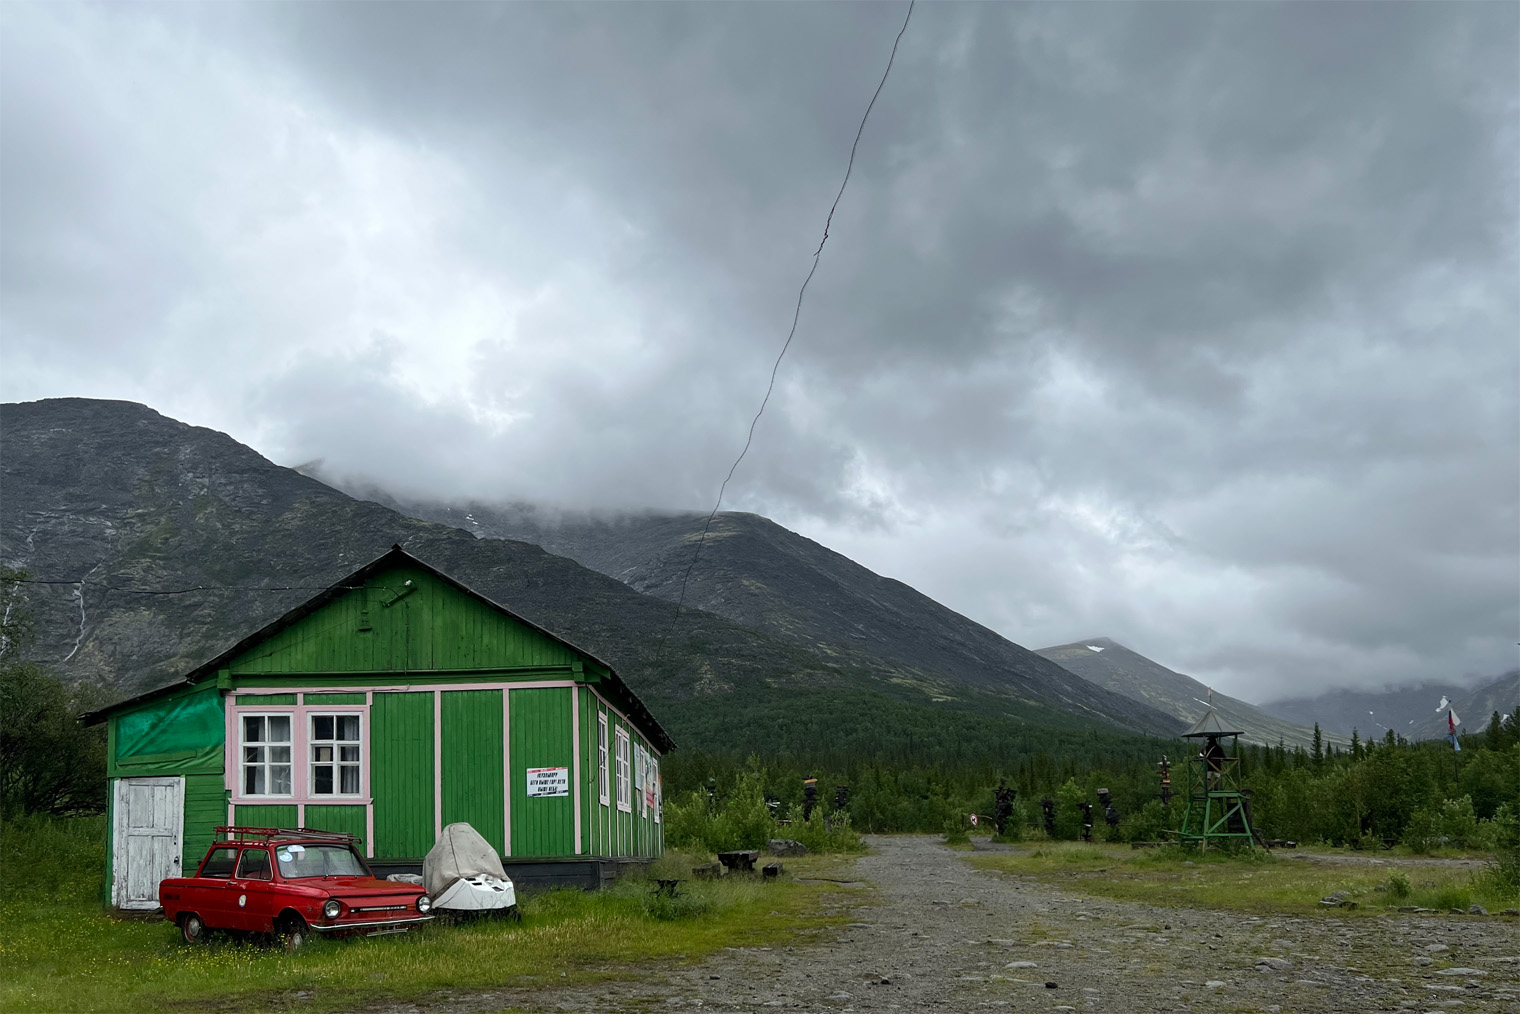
263,815
541,825
433,626
323,700
401,773
205,808
585,716
273,700
472,762
343,819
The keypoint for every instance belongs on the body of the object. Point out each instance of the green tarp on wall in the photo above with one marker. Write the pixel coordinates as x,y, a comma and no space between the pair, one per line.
172,736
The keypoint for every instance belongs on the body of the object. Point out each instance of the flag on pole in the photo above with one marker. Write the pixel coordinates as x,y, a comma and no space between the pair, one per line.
1452,721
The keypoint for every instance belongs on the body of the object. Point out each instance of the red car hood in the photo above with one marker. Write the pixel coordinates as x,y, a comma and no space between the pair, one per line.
365,887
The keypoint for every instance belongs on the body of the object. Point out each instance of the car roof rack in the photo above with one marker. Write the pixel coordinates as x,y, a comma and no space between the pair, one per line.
238,832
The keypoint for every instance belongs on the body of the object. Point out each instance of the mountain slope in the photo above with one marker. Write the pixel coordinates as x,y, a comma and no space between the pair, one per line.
172,541
757,573
1111,665
1475,708
1373,712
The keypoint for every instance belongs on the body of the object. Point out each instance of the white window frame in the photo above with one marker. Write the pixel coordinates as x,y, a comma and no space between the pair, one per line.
641,773
266,744
337,764
659,793
603,789
624,801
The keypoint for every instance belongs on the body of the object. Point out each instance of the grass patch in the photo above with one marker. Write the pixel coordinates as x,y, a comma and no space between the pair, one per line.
62,953
1249,882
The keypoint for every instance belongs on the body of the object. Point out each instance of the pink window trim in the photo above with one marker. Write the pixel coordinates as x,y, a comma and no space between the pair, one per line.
300,763
437,763
575,759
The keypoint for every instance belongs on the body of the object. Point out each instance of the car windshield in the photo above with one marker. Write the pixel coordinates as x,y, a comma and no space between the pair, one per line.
319,861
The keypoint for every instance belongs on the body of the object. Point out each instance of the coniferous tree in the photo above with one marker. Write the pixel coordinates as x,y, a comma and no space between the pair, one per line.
1318,755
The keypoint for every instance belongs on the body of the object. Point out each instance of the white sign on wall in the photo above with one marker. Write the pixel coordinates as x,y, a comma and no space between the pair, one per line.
548,781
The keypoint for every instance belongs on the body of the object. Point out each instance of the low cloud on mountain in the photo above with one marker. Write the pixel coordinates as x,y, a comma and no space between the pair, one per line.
1191,324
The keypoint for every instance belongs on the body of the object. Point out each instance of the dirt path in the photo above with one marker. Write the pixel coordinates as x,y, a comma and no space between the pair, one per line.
932,933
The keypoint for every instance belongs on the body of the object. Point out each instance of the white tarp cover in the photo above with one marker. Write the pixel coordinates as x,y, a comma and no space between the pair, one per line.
460,852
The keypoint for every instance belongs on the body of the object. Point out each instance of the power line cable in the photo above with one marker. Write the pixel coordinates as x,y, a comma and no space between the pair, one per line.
796,316
722,489
193,588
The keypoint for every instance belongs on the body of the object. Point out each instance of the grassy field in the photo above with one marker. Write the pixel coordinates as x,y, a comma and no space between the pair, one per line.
1258,883
61,952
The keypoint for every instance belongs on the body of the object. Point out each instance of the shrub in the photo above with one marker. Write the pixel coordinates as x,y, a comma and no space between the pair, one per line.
1452,824
743,821
955,832
825,834
1503,872
1149,824
1069,798
1398,884
49,763
1018,821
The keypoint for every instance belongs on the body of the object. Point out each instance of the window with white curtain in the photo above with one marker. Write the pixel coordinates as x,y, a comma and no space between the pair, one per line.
333,746
266,757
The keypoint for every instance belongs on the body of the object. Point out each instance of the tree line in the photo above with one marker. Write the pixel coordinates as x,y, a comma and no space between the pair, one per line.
905,767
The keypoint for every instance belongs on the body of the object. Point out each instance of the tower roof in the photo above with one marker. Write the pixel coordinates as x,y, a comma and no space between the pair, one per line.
1209,725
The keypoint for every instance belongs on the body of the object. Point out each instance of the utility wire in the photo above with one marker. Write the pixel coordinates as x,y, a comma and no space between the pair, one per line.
193,588
796,315
748,440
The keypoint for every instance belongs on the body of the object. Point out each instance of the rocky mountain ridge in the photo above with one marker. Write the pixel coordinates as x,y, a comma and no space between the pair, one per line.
759,574
1111,665
170,541
1409,711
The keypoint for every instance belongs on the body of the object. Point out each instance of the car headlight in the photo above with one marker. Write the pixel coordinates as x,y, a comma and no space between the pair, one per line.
332,908
424,903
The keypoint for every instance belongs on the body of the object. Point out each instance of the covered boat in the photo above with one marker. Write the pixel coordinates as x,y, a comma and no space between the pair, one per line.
463,873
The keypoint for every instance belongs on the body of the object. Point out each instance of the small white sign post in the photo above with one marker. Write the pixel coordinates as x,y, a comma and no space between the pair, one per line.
548,782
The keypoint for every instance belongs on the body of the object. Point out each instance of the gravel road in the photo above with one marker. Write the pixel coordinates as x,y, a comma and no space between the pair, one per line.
932,933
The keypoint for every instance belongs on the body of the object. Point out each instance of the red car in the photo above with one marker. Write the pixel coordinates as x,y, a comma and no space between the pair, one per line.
288,883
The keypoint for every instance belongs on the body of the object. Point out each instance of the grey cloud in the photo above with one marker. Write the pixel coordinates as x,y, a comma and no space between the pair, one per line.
1193,325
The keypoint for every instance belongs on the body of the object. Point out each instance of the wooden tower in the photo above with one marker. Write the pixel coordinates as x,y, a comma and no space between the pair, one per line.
1219,810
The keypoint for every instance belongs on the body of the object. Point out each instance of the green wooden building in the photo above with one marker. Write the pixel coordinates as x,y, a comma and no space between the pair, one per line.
388,706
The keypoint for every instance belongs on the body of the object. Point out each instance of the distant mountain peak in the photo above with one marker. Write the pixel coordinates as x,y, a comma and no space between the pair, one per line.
1111,665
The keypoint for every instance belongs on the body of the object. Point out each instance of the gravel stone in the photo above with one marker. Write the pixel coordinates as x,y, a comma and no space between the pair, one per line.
925,949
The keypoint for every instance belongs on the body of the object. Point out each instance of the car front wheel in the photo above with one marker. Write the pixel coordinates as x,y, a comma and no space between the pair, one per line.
293,933
192,928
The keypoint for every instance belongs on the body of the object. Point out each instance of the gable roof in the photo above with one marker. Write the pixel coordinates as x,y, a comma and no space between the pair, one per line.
619,691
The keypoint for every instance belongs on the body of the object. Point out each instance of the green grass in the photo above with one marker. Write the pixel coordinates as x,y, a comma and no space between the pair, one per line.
62,953
1250,883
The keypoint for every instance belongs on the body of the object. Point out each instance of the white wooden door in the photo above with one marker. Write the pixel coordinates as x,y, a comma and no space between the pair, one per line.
145,847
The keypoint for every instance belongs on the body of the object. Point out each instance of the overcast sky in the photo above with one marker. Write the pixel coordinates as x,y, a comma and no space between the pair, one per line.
1191,325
